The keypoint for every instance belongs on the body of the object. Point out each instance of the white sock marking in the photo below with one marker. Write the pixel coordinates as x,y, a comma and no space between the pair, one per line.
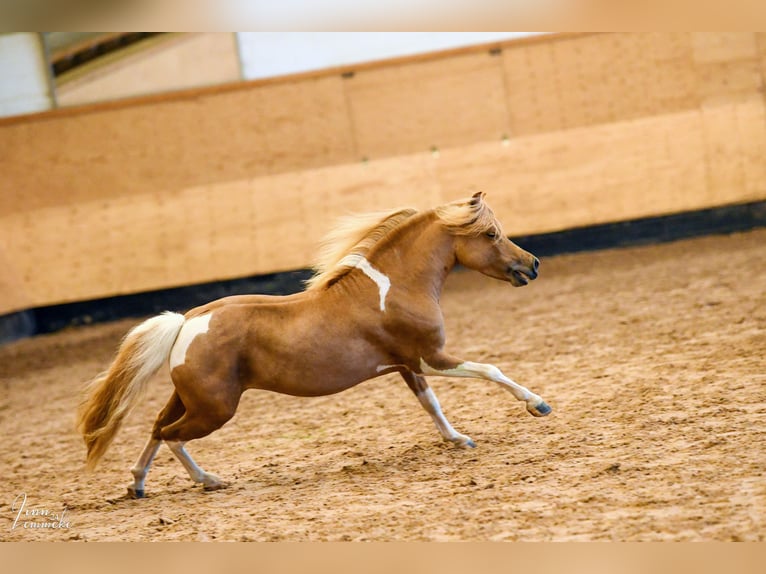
190,329
483,371
141,468
430,403
381,280
195,472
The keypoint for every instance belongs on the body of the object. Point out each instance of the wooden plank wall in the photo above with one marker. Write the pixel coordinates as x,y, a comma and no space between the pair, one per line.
163,63
561,131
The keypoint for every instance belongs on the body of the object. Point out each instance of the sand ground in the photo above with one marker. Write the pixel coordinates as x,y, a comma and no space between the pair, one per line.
651,357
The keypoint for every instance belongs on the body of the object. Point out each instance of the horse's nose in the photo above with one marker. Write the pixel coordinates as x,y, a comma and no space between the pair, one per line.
535,267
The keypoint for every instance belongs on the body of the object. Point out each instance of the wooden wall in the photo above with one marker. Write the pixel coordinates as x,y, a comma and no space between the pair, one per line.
220,183
163,63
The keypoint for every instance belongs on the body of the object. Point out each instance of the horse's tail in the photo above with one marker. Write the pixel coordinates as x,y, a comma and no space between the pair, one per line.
112,394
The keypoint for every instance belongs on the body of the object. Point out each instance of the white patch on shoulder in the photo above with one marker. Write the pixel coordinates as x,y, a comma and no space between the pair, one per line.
381,280
190,329
382,368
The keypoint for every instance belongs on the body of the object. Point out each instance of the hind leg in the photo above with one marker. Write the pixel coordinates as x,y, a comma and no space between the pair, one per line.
141,468
199,420
430,403
208,480
173,410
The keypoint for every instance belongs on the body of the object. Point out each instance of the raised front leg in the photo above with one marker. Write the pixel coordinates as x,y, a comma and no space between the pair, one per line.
444,365
431,405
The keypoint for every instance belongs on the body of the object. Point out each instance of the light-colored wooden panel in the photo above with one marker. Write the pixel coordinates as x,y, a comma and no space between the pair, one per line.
534,93
587,80
71,255
735,141
719,82
413,107
727,64
723,46
13,294
166,63
97,249
305,125
172,145
760,38
587,176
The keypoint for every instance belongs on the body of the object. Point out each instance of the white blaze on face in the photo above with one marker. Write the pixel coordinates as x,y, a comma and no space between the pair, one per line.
381,280
190,330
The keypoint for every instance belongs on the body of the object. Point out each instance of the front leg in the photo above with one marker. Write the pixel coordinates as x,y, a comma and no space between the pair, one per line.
430,403
444,365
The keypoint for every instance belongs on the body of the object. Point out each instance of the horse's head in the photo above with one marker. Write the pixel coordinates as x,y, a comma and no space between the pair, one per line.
481,245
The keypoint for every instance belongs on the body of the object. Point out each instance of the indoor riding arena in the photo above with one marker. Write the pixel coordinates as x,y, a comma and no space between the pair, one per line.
632,165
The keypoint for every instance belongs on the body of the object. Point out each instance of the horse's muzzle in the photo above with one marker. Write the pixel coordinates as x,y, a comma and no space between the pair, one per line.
521,274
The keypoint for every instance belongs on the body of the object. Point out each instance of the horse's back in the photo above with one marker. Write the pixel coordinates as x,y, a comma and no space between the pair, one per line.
243,300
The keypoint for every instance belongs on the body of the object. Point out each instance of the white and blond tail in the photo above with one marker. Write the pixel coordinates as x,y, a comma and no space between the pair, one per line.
113,394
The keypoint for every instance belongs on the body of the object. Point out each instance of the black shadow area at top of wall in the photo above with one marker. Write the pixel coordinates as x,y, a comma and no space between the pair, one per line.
719,220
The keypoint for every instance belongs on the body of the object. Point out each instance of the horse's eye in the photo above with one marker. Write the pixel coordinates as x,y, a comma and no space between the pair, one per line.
491,234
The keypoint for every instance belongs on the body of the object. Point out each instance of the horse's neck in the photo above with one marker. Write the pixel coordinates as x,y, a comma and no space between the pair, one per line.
420,256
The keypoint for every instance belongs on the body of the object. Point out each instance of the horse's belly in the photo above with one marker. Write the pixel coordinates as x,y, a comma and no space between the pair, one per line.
310,373
307,387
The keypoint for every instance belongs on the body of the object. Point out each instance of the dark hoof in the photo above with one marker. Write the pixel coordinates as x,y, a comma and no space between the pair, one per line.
216,486
462,441
540,410
133,493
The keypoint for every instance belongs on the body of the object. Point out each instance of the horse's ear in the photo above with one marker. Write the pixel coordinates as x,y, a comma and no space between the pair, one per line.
477,198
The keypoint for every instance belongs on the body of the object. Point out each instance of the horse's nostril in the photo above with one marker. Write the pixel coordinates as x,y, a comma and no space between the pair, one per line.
535,263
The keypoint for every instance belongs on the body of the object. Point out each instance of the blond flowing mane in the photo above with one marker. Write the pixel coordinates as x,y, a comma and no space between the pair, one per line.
353,235
358,234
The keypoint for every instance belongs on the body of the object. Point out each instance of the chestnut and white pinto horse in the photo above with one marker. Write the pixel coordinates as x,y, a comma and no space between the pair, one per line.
372,308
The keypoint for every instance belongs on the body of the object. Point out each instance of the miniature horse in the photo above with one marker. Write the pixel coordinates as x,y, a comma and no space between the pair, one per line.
372,308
